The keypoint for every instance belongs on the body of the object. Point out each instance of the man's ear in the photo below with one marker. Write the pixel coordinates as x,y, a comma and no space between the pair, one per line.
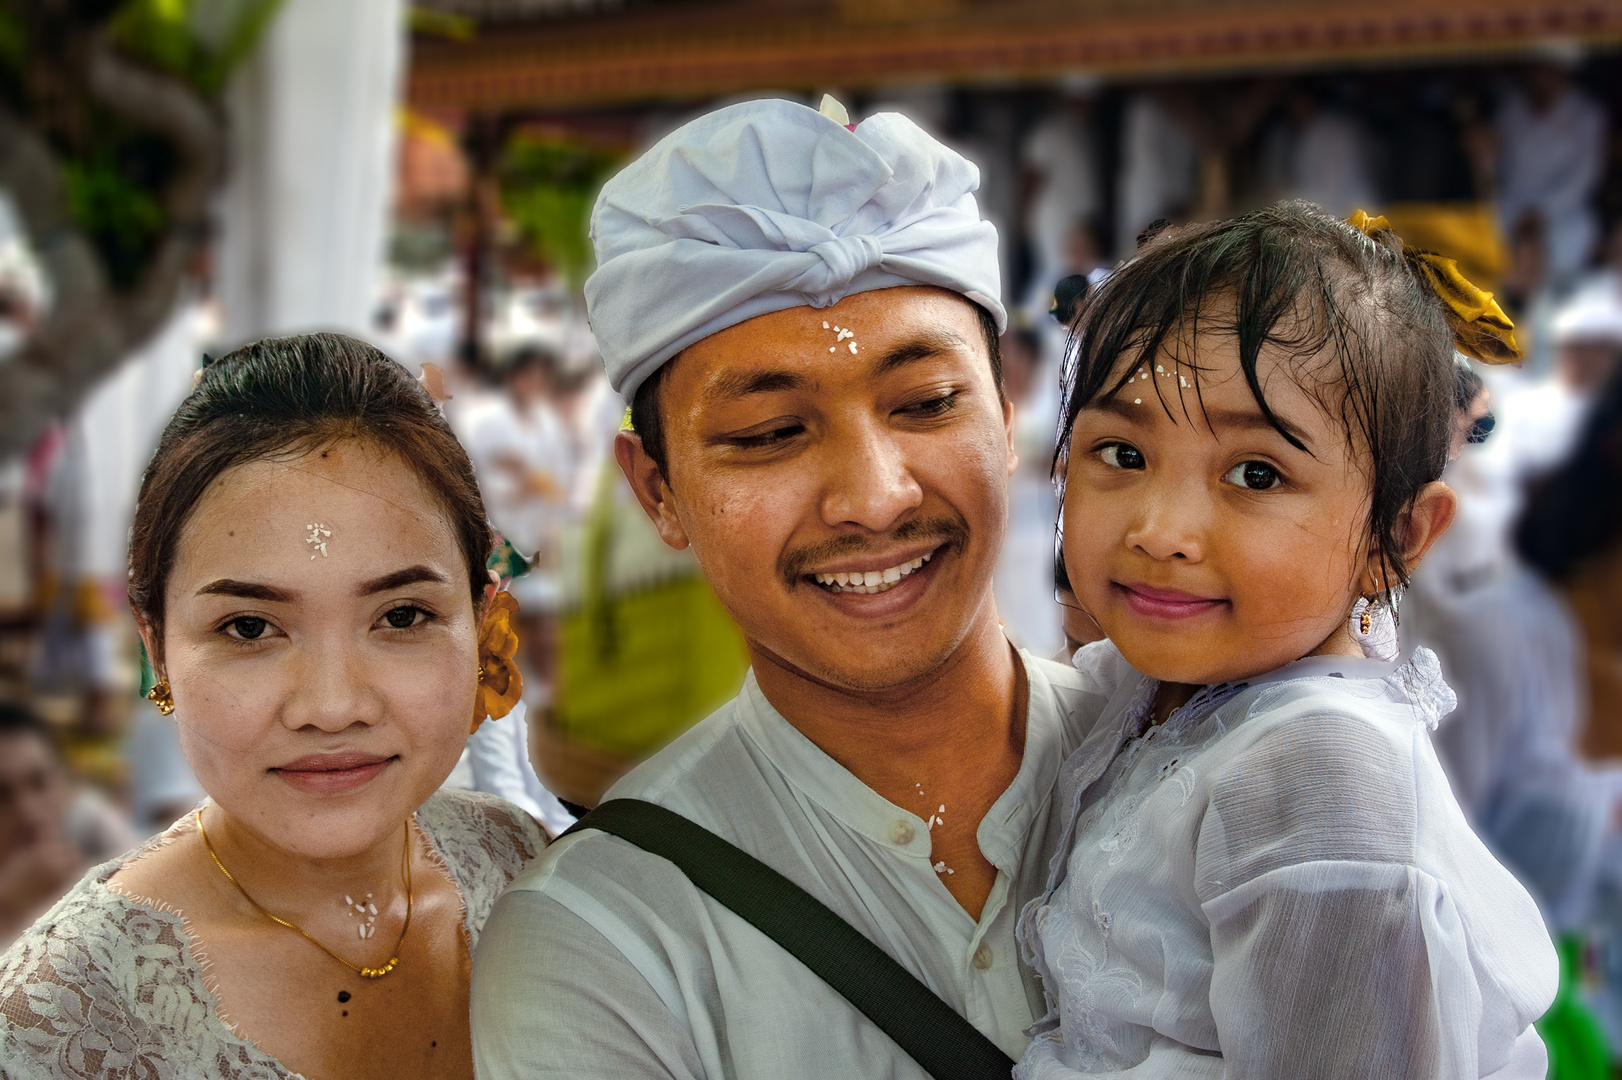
643,474
1424,522
1008,429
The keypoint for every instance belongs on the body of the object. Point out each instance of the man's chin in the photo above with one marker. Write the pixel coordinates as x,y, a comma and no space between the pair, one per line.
855,670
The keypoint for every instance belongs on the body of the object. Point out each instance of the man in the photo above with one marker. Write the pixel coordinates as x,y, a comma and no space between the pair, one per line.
805,318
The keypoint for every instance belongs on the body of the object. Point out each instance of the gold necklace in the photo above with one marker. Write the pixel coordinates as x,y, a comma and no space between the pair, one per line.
363,972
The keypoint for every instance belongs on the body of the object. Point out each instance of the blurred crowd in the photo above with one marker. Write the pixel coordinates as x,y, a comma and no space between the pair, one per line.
1512,171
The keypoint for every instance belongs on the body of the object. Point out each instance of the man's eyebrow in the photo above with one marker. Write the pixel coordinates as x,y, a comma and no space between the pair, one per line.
1240,419
411,575
736,384
247,590
920,346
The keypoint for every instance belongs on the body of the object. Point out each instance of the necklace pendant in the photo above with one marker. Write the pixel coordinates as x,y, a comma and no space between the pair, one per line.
378,973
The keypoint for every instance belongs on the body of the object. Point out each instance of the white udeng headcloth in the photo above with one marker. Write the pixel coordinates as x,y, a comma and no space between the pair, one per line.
770,205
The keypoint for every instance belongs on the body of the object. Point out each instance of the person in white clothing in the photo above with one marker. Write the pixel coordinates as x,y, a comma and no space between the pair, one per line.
1551,157
1264,872
805,317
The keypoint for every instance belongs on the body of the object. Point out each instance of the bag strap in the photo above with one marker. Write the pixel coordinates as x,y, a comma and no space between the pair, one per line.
929,1030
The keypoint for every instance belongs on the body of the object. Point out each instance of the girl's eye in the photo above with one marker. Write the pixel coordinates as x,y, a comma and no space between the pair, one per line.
1254,476
404,617
247,627
1121,456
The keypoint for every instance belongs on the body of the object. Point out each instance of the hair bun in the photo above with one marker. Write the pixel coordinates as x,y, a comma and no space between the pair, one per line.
1480,327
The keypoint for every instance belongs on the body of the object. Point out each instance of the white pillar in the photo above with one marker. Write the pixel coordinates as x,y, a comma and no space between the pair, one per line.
307,204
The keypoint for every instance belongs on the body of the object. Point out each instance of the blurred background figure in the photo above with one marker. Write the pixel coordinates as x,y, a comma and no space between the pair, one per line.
51,830
1552,152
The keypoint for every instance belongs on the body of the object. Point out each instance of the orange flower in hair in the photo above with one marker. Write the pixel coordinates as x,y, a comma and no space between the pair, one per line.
499,682
1480,327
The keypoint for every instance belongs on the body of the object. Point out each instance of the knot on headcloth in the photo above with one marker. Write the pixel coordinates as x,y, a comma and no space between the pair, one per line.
769,205
840,261
1480,327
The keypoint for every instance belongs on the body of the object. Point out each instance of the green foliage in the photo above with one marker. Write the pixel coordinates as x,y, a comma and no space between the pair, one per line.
441,24
200,41
122,218
113,174
547,190
13,41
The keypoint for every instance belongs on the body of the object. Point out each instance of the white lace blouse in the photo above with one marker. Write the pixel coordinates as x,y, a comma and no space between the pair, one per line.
104,987
1276,882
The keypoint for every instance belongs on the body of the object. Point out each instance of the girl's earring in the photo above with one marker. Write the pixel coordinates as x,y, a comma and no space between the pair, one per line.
160,696
1365,623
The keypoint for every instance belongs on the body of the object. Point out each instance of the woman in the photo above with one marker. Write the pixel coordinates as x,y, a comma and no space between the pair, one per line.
307,569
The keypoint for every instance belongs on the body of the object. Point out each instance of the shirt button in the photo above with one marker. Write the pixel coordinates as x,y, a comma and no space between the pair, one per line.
901,832
982,956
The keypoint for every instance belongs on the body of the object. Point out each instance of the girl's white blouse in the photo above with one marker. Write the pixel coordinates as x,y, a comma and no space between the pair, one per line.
1277,882
104,987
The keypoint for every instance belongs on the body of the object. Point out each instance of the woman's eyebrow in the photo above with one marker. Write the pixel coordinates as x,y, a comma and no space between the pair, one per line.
248,590
411,575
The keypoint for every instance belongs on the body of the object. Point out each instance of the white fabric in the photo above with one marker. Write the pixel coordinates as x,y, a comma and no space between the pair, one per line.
1593,315
499,437
1513,653
1329,164
306,208
768,205
1060,148
499,764
1158,165
603,960
1277,882
104,988
1552,163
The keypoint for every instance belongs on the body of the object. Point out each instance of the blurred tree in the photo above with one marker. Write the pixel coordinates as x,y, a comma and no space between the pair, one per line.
548,186
112,148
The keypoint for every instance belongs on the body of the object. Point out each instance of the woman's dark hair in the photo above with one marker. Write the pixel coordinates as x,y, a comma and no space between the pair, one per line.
1366,336
1574,513
285,397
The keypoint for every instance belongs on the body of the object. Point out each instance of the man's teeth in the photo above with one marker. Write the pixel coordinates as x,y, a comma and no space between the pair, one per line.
872,581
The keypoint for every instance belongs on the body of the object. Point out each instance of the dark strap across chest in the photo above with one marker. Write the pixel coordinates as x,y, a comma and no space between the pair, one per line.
947,1046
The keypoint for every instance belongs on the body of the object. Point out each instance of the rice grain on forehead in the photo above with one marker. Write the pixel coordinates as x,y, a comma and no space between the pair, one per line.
1356,328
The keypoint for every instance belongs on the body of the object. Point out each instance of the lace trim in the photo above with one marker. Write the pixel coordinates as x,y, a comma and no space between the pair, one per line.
106,986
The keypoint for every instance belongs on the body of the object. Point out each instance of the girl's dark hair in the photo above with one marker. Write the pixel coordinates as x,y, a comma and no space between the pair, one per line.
288,396
1573,514
1366,335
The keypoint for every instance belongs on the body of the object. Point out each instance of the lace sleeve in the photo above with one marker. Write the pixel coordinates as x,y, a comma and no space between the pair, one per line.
107,989
483,842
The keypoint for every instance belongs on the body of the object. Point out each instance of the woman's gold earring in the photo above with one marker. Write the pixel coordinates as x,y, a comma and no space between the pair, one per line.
481,672
160,696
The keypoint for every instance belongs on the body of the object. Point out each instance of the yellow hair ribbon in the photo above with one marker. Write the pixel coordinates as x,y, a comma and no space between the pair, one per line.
1480,327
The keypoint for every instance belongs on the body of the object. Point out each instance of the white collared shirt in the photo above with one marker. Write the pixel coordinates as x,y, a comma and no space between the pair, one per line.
1276,882
605,961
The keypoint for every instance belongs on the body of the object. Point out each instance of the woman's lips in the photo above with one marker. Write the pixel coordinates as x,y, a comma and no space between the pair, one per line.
332,774
1156,603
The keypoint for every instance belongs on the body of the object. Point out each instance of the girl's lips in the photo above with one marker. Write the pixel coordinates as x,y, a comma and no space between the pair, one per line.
332,774
1156,603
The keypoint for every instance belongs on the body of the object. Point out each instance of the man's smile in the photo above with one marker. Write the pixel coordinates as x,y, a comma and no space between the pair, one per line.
869,581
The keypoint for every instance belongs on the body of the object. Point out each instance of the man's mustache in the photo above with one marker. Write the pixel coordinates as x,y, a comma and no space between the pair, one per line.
949,533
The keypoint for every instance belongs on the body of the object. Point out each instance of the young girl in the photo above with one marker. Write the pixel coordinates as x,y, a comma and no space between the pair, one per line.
1264,873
